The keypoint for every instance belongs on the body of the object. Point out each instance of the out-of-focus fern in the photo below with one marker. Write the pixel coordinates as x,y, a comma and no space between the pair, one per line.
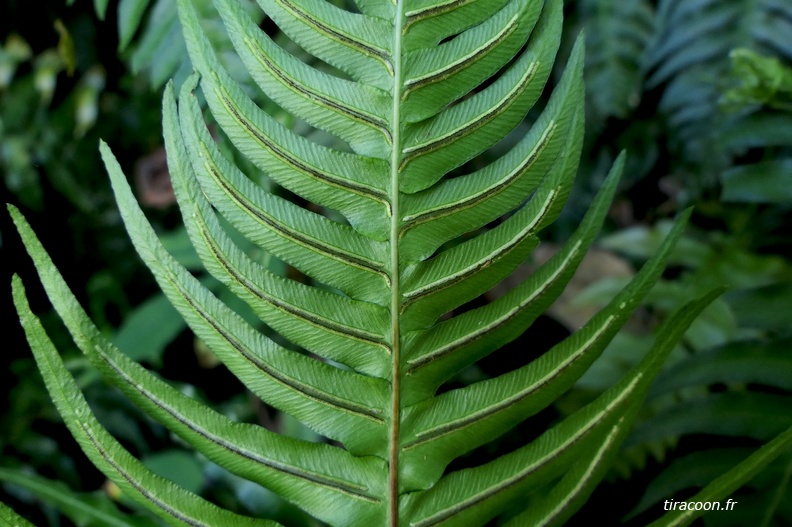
159,48
732,379
754,403
617,34
761,82
690,56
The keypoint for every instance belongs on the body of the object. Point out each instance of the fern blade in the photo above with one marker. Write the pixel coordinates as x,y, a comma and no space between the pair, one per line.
357,44
569,494
473,496
286,379
428,22
285,465
354,112
452,344
460,420
438,145
434,78
463,204
352,184
469,269
165,499
318,246
11,518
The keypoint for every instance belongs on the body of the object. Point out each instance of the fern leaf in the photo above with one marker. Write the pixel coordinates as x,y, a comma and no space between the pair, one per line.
768,364
570,493
162,497
756,415
462,419
256,453
348,183
12,519
450,345
357,44
306,315
423,87
432,21
354,112
690,55
435,77
618,34
334,253
130,14
446,141
477,494
284,378
438,214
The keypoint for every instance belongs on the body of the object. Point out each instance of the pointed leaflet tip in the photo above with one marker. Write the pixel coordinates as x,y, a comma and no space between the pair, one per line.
161,496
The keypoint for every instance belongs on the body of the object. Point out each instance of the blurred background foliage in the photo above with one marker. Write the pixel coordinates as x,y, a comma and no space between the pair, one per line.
698,91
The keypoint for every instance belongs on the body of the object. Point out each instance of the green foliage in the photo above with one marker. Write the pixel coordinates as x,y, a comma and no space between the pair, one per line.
32,132
399,243
729,382
691,55
84,510
761,81
12,519
725,484
159,49
618,34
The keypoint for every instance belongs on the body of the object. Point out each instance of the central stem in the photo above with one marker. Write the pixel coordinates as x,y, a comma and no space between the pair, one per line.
395,225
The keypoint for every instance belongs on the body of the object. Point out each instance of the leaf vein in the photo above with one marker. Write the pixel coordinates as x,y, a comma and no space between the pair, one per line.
344,109
471,126
463,274
439,353
462,62
473,199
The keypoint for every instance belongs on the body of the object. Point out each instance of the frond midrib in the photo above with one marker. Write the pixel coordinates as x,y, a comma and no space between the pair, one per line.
395,304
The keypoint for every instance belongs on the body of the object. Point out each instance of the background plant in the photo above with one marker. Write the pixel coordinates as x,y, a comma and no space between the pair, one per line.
740,192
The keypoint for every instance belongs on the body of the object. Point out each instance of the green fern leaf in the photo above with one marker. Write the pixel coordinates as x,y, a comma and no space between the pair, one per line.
162,497
425,86
12,519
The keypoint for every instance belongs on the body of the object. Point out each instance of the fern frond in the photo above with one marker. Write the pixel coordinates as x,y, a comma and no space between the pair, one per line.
11,518
425,86
162,497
